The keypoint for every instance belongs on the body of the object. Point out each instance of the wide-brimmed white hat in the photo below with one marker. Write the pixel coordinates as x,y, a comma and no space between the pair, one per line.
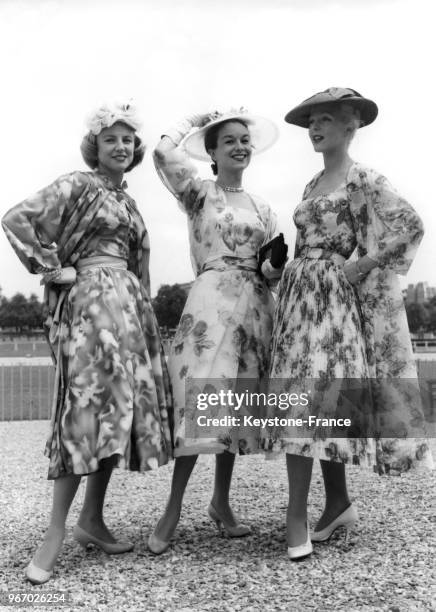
263,132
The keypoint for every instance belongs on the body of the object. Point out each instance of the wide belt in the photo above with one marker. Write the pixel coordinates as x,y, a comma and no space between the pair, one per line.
222,264
319,253
101,261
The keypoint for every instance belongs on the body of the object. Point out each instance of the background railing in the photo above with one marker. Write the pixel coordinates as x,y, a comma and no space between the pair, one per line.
27,379
26,392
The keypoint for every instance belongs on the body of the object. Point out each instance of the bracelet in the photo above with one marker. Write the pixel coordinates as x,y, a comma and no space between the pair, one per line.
39,269
52,276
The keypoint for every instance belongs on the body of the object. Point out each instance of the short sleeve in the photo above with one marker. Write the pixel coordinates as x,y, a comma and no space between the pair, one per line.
33,226
388,229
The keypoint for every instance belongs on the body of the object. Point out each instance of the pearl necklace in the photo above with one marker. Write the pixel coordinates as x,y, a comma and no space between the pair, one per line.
231,189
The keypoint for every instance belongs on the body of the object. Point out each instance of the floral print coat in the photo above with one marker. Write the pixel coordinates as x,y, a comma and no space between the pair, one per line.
366,324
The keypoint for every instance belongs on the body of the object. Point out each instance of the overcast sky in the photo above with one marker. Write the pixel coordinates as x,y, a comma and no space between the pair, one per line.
60,59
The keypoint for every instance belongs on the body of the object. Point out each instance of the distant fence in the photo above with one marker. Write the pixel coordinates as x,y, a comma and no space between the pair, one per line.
20,348
39,348
26,390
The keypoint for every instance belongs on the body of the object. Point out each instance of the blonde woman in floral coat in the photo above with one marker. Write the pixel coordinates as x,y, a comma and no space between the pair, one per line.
345,320
225,329
112,403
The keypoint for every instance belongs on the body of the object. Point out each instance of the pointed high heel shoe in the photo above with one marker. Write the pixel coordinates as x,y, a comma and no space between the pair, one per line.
116,548
297,553
233,531
36,575
347,519
156,545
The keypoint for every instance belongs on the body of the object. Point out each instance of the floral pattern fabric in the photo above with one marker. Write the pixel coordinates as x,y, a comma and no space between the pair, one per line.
326,328
225,329
112,388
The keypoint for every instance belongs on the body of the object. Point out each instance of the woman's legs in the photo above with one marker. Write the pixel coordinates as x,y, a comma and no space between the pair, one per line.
91,515
223,478
220,499
299,475
183,467
64,490
335,485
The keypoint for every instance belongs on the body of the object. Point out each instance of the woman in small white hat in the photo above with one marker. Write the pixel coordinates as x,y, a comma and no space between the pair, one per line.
87,238
225,329
339,320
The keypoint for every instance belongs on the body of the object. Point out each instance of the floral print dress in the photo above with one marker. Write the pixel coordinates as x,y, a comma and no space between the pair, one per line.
225,330
326,329
112,396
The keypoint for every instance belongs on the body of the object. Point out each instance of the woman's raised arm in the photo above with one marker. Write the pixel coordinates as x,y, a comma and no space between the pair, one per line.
175,168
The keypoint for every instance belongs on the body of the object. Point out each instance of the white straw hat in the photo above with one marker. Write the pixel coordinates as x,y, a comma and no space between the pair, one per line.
263,132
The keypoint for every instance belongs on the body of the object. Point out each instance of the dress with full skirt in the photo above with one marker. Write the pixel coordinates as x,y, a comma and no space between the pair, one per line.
327,330
112,395
224,333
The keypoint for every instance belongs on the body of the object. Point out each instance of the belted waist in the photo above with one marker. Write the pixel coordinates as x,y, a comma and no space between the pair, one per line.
319,253
230,263
101,261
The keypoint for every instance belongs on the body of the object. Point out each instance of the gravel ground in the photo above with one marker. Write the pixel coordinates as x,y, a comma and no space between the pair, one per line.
389,564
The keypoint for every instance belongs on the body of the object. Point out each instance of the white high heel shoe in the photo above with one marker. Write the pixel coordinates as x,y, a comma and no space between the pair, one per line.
37,575
347,519
295,553
156,545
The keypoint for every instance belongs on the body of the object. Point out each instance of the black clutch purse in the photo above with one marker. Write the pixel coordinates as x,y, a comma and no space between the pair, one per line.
276,250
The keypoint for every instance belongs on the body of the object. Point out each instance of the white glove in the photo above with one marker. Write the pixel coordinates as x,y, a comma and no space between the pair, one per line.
269,272
179,131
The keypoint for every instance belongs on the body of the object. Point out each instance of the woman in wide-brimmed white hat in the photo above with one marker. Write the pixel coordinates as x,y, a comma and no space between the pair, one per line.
112,406
225,329
341,325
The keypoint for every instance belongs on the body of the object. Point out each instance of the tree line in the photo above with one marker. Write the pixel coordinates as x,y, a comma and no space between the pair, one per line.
24,314
20,314
422,317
